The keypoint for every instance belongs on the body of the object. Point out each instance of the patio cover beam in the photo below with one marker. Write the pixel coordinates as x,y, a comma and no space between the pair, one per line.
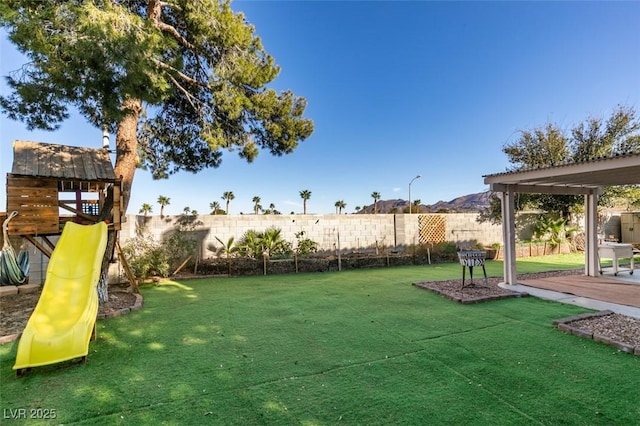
545,189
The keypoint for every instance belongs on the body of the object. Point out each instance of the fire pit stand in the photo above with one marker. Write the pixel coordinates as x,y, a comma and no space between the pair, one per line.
471,258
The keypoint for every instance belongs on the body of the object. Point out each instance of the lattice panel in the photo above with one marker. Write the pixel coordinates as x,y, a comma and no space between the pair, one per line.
432,228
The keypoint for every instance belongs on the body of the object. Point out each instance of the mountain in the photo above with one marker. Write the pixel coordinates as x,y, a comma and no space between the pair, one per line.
465,204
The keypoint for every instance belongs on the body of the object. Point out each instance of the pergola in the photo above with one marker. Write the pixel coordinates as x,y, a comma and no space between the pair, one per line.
586,178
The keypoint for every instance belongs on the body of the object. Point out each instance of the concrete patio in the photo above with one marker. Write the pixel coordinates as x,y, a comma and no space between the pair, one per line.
631,286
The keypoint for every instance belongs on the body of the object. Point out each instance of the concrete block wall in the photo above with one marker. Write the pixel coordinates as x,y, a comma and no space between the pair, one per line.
356,232
464,229
38,263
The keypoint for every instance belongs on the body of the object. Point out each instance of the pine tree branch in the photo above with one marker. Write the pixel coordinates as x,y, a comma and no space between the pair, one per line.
180,74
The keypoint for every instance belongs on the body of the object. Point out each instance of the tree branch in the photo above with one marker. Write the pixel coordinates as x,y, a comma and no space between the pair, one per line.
154,11
186,93
169,5
171,30
180,74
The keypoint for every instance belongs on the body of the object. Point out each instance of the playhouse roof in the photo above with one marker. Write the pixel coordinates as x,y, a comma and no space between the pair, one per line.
44,160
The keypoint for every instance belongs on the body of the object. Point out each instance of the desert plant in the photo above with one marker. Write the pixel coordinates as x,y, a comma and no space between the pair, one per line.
227,250
181,243
249,244
273,245
178,247
305,246
146,257
553,231
444,251
268,243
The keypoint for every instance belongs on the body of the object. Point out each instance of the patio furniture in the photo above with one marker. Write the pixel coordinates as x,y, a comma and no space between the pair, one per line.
615,251
471,258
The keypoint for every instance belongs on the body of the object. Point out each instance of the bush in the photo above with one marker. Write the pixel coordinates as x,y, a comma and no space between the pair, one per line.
254,244
149,257
178,247
305,246
146,257
445,251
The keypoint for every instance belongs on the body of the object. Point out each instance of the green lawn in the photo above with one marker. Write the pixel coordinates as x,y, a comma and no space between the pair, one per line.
355,347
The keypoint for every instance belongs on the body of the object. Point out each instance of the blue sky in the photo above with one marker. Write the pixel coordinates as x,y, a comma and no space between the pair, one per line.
397,89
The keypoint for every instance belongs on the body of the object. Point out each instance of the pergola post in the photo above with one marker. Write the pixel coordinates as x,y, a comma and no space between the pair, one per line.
591,261
509,236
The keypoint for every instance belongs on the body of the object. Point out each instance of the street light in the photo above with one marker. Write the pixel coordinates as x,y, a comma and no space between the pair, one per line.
417,177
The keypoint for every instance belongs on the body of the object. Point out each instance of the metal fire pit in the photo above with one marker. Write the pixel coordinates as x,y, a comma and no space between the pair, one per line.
471,258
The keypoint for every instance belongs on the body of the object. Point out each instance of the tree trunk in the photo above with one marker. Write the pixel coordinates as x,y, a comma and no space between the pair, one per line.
125,168
106,214
127,148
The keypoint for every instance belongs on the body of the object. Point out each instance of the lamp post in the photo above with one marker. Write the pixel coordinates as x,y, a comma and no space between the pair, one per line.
417,177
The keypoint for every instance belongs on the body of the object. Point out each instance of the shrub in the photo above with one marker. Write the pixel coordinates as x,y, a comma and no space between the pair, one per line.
305,246
178,247
146,257
445,251
254,244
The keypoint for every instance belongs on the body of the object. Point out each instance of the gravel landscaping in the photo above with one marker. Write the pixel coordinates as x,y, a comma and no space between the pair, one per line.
620,331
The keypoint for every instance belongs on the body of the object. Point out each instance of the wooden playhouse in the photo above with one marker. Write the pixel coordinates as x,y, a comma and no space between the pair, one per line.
52,184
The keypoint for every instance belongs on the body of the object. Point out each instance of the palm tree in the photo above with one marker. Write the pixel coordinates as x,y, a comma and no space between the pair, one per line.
376,197
227,249
416,204
228,196
271,209
271,241
256,201
163,201
339,206
250,244
215,207
146,209
305,195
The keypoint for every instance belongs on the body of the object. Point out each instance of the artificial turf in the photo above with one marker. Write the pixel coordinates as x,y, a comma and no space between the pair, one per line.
353,347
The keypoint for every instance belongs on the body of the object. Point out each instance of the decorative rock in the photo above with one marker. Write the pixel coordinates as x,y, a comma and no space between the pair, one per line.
564,324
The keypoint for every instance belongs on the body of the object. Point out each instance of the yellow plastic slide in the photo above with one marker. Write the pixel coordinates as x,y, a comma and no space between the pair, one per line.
63,321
